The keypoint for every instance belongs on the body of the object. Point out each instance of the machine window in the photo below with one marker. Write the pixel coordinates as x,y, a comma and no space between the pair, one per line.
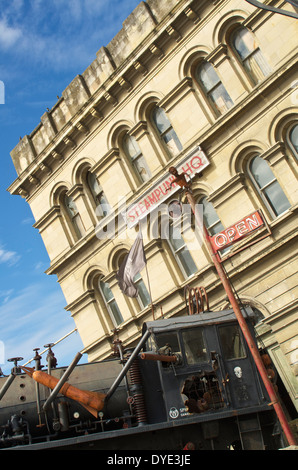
231,342
194,346
167,343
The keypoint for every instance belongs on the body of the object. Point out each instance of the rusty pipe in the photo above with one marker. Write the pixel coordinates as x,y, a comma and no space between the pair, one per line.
92,401
245,330
158,357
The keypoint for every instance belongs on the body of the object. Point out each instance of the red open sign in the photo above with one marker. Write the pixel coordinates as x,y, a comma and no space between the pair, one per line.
237,231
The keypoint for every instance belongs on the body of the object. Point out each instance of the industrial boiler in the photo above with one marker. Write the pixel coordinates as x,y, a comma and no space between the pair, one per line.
190,383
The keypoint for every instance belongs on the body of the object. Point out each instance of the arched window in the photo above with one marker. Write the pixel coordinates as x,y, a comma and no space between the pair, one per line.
210,217
211,220
143,297
74,216
181,251
267,186
110,302
101,203
214,90
166,131
250,55
293,140
134,153
143,294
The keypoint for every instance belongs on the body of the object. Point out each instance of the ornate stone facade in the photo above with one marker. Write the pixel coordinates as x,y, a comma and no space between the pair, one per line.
180,74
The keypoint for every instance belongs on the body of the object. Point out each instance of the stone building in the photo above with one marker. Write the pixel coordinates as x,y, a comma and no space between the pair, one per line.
208,86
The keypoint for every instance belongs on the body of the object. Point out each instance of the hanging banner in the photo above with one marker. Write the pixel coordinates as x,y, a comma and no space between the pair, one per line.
193,163
236,232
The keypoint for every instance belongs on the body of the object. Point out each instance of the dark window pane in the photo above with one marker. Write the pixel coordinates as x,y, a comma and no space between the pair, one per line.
194,346
231,342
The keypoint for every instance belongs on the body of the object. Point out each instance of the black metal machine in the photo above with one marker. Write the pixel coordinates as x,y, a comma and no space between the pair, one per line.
190,383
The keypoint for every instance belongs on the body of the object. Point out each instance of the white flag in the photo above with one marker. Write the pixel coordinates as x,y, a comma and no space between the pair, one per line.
133,263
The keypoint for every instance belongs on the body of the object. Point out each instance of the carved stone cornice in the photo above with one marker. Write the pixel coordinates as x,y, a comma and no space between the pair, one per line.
226,191
81,302
48,218
106,161
275,154
176,94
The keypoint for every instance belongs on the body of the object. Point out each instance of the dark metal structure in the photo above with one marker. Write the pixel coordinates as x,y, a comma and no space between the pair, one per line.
190,382
281,11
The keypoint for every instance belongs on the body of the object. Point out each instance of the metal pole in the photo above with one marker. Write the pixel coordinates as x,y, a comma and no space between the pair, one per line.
62,381
7,385
245,330
127,365
54,344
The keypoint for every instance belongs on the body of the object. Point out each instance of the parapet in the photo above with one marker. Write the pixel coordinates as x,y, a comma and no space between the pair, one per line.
94,81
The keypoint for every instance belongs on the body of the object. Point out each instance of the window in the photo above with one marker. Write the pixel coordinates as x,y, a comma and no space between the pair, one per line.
143,297
211,221
268,186
293,140
74,216
194,346
133,152
143,294
231,342
213,88
166,131
181,251
167,343
250,55
102,205
110,302
210,217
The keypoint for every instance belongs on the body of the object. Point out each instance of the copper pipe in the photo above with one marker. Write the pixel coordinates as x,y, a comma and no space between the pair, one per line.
92,401
158,357
245,330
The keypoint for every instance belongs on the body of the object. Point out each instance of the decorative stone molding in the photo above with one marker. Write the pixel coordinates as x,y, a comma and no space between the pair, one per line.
229,189
81,302
57,156
182,89
125,84
110,99
69,142
172,32
156,51
218,55
48,218
192,15
82,128
96,114
140,68
106,161
275,154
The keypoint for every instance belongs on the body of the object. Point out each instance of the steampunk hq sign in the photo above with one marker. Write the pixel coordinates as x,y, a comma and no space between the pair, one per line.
193,163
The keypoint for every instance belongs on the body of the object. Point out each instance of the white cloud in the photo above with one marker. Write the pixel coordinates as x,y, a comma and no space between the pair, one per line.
5,295
28,220
8,257
61,34
8,34
33,317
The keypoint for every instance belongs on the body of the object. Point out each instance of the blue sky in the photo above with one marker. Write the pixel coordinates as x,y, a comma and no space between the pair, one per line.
43,46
